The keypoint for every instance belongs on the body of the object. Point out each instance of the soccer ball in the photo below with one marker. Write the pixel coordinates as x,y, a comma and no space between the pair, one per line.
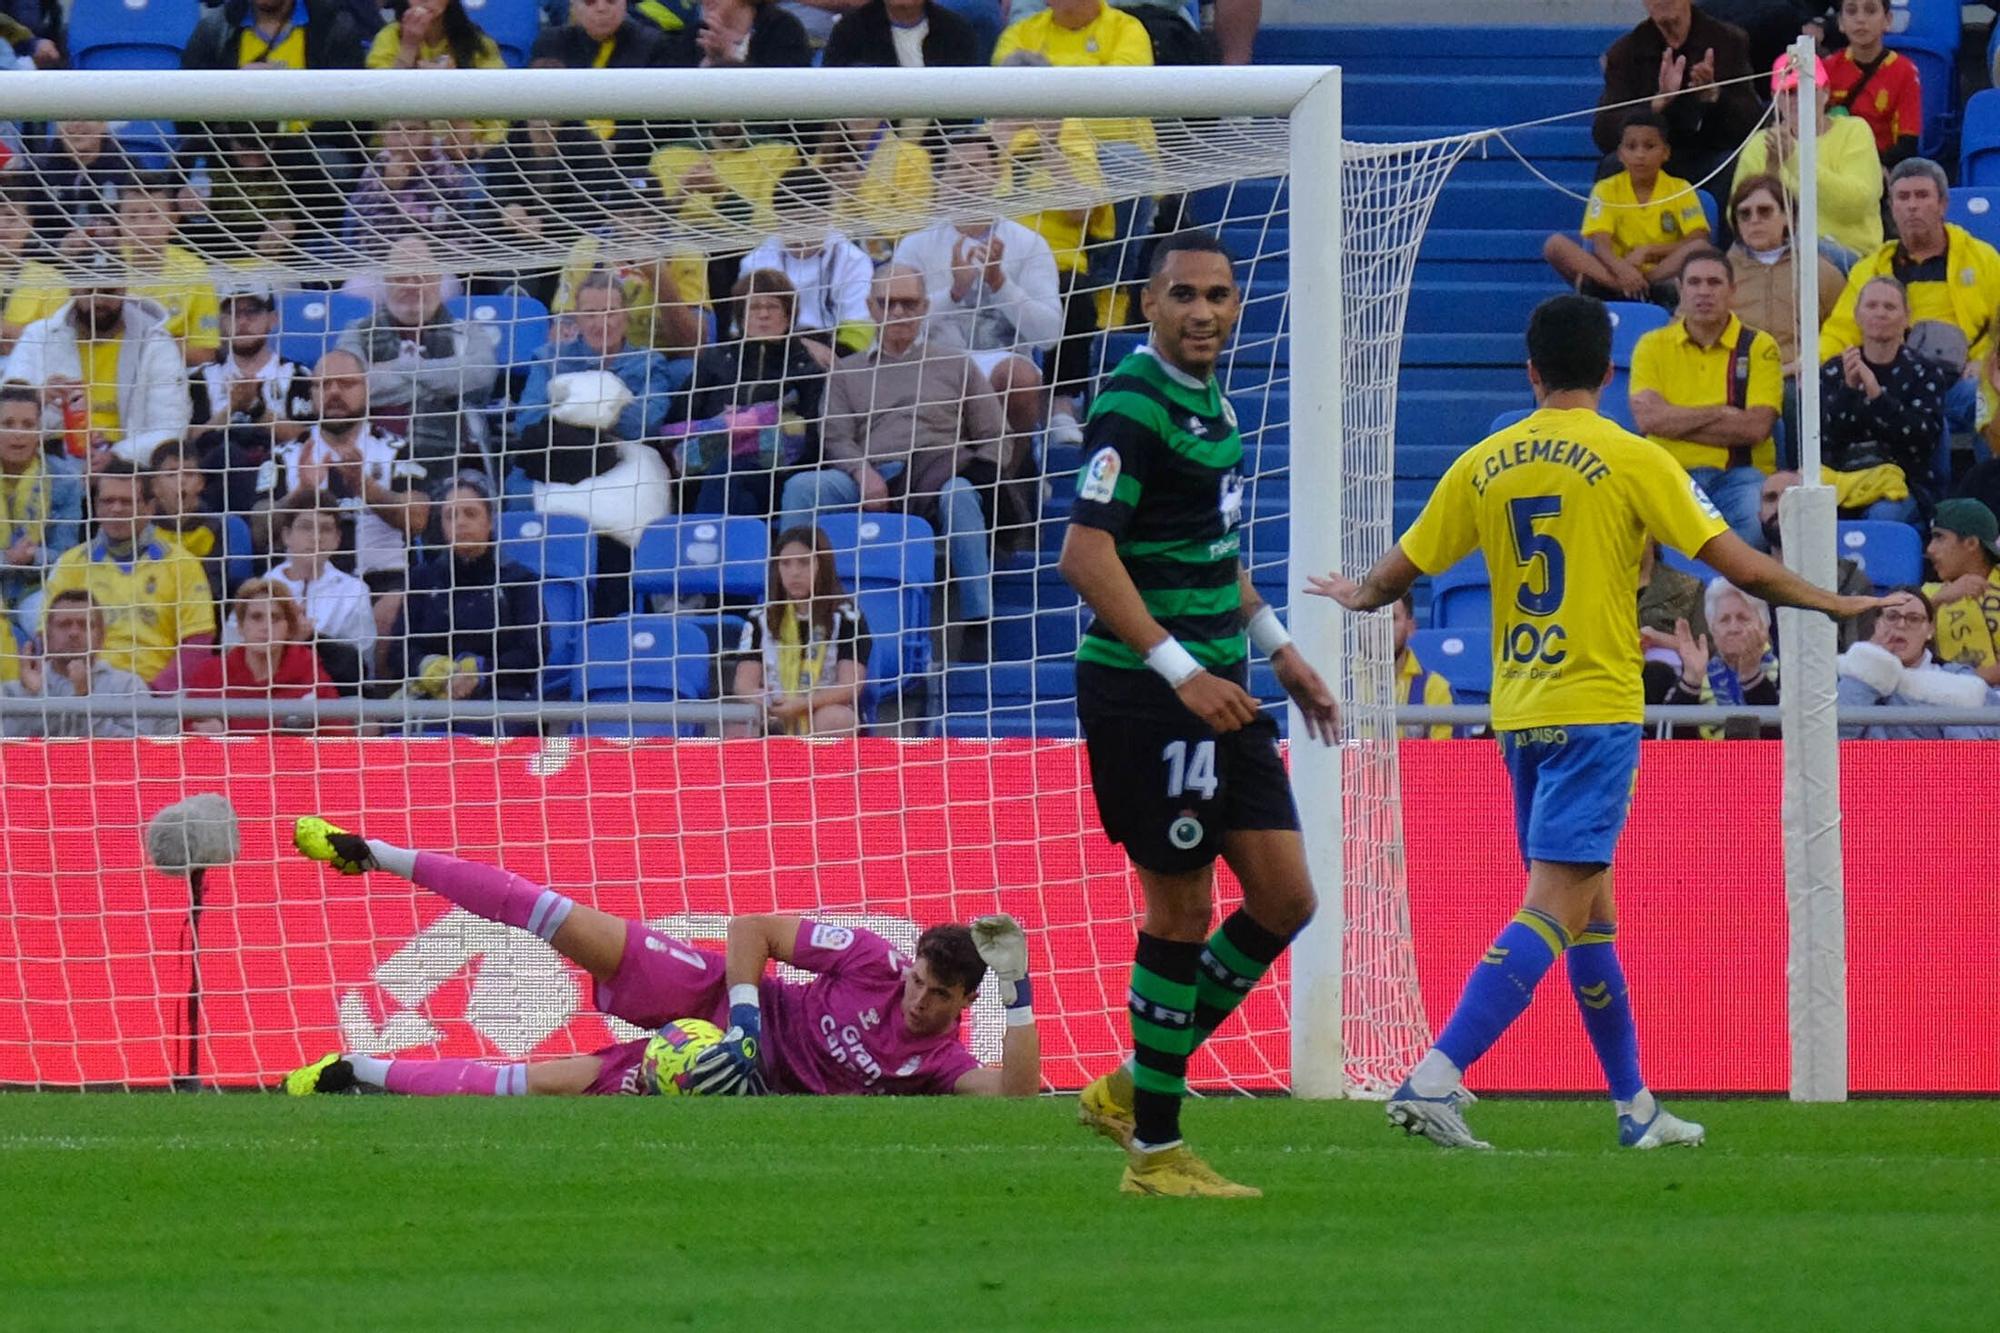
672,1058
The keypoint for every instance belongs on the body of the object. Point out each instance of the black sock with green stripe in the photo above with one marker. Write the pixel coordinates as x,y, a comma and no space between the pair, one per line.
1236,956
1162,1002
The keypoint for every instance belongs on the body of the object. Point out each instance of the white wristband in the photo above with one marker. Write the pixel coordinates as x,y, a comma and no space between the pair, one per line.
744,992
1021,1016
1175,664
1268,633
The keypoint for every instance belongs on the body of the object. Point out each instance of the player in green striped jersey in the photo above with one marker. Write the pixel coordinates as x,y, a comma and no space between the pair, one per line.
1184,764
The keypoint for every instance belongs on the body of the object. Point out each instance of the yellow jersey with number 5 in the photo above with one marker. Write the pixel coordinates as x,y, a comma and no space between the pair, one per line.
1561,505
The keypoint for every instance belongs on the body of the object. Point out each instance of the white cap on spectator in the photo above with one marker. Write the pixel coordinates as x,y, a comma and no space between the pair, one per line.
592,399
246,287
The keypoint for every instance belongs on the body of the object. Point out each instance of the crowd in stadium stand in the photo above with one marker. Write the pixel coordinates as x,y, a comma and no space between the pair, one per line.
188,509
184,506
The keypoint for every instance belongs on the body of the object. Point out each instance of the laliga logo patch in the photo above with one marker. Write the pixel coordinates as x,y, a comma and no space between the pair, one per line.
1670,223
1229,414
1100,477
1701,498
831,937
1185,833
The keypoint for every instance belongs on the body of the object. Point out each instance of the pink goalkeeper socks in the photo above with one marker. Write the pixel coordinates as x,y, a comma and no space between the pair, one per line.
496,894
448,1078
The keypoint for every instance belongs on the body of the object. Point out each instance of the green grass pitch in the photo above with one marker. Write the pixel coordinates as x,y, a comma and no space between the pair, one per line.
152,1212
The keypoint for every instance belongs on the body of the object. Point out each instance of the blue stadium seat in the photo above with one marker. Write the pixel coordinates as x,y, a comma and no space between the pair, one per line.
882,608
1631,321
1506,419
239,552
700,555
310,322
1891,554
130,34
151,144
521,322
1461,598
644,659
890,551
1927,33
563,554
1673,559
881,550
1979,142
1462,656
1975,209
556,546
512,24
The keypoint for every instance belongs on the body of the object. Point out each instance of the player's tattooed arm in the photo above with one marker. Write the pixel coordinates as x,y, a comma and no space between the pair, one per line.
1389,580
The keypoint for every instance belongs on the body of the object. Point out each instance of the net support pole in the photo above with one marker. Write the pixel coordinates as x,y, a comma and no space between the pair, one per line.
1318,1056
1815,895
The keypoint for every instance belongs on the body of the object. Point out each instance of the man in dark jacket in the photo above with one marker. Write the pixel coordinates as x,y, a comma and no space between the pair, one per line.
276,34
1679,47
920,34
635,44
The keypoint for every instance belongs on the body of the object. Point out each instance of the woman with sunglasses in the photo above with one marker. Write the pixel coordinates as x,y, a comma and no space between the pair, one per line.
1760,210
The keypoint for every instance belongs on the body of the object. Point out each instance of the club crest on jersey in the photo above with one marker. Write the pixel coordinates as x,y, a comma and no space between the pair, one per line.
1100,477
910,1066
1229,414
831,937
1230,500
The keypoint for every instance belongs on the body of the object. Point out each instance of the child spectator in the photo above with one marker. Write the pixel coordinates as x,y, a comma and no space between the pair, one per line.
1964,549
1874,84
1640,226
805,651
1414,685
178,488
273,659
336,603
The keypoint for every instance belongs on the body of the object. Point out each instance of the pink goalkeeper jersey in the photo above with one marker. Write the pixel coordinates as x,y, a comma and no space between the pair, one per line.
842,1033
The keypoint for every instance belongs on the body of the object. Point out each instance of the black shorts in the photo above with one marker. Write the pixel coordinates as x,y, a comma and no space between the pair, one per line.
1168,787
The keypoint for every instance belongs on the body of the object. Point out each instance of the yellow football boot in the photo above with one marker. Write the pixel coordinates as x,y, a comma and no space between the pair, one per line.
321,841
1106,1106
329,1073
1177,1173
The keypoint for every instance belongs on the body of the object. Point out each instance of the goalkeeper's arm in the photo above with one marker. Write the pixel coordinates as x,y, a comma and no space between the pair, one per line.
753,941
1003,945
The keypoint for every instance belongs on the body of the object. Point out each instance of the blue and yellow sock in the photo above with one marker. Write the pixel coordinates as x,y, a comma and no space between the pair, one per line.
1606,1005
1499,989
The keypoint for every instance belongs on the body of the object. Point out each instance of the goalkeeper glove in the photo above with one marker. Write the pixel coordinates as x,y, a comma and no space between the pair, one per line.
746,1029
1003,945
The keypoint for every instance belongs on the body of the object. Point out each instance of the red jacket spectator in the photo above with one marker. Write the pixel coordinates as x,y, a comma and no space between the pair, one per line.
275,660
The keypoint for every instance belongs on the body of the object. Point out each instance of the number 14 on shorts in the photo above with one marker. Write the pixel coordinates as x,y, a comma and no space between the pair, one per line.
1190,768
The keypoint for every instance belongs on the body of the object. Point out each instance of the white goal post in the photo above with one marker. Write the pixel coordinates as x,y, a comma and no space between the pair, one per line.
1356,214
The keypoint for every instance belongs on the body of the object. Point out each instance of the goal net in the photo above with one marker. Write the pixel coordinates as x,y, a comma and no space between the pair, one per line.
466,424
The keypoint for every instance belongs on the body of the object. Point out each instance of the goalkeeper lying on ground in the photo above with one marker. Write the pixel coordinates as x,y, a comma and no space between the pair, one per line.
871,1021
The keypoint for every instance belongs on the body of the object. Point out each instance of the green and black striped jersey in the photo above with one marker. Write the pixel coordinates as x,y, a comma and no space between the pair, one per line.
1163,474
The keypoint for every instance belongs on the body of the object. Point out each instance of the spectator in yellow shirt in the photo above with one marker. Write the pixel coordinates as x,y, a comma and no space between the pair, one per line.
1952,278
154,596
30,289
1639,227
1707,389
433,34
1850,168
1086,33
882,182
1965,551
169,275
1415,685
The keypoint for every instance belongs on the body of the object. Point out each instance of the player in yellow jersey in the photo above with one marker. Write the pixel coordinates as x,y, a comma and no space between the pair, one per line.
1562,505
